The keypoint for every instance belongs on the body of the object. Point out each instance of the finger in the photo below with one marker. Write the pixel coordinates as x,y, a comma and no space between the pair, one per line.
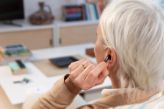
74,65
92,76
86,63
101,77
100,68
80,80
76,72
84,77
99,81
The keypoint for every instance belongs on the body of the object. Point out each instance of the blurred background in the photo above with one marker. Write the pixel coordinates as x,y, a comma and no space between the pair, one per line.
50,23
39,39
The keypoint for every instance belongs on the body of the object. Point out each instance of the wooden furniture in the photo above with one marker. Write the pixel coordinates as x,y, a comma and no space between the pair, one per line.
50,70
34,37
46,36
71,33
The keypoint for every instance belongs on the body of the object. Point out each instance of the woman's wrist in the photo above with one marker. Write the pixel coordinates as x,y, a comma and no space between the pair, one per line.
70,85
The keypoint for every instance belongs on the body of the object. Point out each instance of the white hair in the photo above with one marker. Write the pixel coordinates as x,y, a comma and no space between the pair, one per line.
135,29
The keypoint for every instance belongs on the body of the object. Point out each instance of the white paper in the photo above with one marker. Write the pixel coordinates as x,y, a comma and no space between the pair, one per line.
19,91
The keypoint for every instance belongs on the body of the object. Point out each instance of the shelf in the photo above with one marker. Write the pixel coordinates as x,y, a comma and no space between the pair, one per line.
55,32
75,23
25,26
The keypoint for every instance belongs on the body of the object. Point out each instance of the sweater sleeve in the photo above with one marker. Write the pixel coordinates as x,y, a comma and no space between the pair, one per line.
62,95
59,97
64,91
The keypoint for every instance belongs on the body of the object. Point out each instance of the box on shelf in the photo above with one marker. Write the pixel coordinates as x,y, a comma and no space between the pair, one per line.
74,12
17,67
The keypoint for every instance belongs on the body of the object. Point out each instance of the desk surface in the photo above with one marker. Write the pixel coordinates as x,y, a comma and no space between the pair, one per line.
43,55
61,51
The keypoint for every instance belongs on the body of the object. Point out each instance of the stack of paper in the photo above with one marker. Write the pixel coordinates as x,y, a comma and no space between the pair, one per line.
18,87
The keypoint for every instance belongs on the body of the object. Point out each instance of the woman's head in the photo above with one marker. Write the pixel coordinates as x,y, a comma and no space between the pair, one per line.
133,31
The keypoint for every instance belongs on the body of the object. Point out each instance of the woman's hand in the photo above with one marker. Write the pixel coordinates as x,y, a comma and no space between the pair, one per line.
85,74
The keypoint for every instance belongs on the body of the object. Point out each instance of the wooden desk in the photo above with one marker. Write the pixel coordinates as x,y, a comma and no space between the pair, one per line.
44,55
49,69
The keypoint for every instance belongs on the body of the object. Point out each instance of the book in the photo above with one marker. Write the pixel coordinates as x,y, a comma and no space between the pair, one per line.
92,11
88,10
100,7
96,11
74,12
88,13
14,52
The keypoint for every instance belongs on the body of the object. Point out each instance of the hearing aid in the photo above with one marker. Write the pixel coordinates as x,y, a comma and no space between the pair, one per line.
107,58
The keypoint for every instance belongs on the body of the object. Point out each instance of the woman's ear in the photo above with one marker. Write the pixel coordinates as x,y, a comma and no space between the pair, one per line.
110,58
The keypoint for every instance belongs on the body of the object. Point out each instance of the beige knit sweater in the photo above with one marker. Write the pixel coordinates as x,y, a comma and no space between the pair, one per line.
64,91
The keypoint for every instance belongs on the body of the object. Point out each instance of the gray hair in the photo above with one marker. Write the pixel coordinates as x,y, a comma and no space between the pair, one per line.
135,29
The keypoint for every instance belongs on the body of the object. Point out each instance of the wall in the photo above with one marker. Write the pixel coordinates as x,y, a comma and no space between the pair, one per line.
31,6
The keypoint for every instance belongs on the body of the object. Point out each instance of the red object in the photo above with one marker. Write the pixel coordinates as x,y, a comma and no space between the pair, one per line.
101,6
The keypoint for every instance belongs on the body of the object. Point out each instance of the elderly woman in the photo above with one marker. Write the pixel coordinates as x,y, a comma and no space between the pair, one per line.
130,37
